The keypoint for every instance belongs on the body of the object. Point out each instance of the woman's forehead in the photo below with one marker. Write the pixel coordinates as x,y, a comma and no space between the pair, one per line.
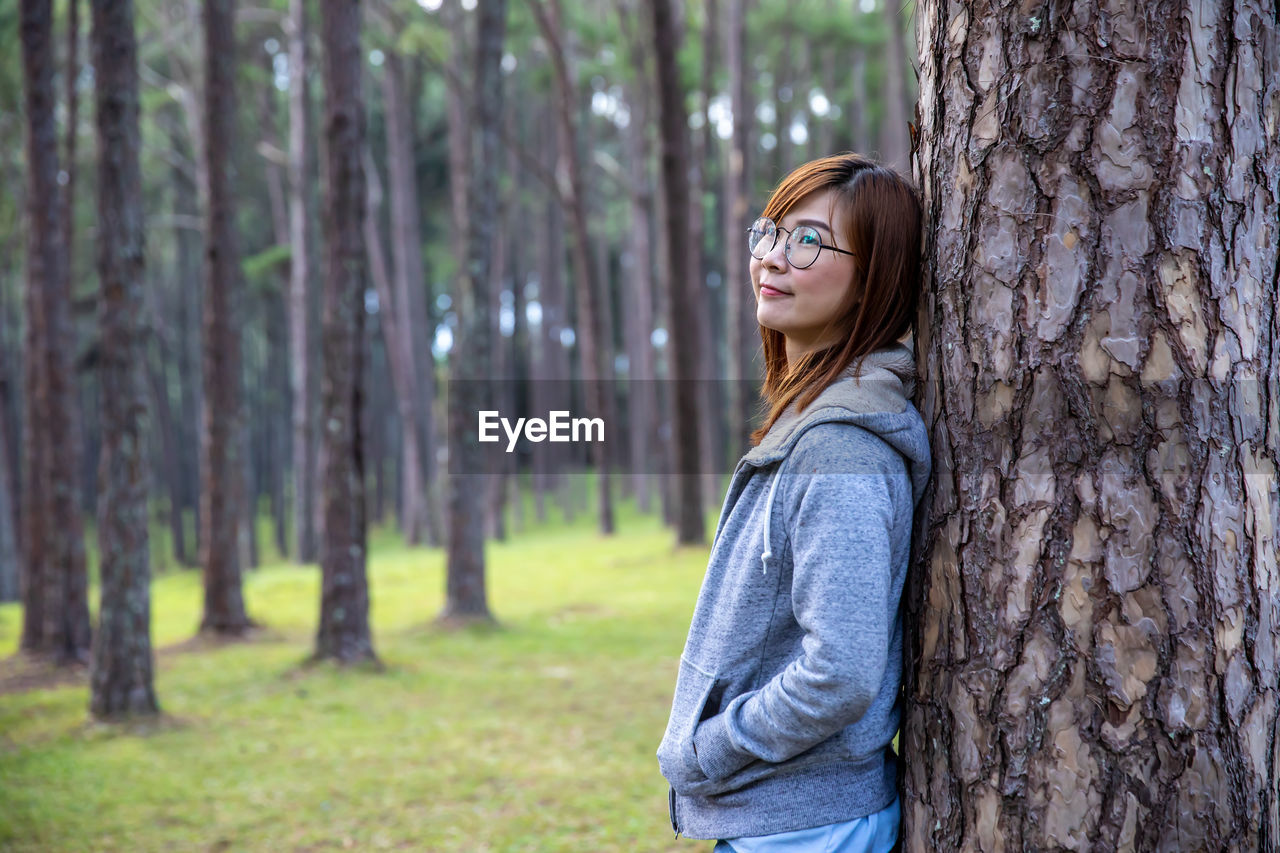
816,208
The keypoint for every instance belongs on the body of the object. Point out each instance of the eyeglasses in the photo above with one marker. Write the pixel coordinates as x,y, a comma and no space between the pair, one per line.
803,246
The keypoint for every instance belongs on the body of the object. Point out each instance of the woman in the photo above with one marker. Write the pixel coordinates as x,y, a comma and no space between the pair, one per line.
786,702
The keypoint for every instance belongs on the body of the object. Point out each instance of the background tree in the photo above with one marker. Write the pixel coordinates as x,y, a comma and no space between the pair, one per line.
301,376
1094,612
221,461
121,676
465,595
55,588
344,604
673,121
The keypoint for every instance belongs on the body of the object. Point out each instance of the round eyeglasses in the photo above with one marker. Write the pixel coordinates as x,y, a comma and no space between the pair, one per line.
803,245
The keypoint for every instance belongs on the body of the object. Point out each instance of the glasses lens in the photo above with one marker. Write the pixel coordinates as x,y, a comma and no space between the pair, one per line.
803,246
761,236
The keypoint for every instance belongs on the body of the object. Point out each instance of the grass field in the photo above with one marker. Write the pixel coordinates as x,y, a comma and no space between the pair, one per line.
538,735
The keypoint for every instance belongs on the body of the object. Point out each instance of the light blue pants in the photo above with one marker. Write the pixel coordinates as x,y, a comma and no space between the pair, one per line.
875,833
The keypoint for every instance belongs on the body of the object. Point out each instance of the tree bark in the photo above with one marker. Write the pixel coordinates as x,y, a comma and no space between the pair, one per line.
465,595
56,611
683,343
344,633
1092,662
301,368
120,679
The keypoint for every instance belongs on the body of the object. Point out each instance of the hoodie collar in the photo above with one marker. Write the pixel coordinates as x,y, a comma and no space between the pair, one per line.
885,383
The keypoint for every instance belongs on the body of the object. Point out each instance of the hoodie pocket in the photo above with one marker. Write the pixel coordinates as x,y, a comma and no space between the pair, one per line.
695,700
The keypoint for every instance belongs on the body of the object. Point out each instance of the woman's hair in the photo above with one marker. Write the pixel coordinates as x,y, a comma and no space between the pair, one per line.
882,228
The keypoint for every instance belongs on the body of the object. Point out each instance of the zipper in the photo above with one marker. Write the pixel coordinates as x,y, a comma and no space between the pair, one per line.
671,807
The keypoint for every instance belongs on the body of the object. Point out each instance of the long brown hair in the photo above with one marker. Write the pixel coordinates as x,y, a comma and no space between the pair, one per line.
882,216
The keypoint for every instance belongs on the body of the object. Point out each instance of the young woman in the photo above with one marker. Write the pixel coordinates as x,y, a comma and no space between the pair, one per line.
786,702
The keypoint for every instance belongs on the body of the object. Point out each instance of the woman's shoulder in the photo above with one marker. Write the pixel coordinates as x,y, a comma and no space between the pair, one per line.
839,446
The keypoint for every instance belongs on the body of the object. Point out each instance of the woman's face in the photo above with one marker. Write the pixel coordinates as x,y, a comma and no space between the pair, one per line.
800,303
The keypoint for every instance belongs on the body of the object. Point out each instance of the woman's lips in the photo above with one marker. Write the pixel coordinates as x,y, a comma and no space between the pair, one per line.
766,290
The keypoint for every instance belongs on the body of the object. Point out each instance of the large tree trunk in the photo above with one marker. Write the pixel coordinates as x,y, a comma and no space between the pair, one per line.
56,610
586,290
465,595
683,344
221,442
121,674
1094,612
301,369
344,603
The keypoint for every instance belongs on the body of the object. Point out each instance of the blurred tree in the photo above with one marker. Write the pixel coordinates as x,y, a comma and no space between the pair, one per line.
674,123
222,486
344,633
55,590
465,596
895,147
587,289
121,673
1095,611
301,239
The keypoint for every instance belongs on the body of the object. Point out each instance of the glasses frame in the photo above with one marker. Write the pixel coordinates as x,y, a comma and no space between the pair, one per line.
787,247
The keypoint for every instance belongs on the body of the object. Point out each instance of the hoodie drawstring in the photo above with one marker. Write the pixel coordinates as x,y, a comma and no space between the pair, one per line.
768,514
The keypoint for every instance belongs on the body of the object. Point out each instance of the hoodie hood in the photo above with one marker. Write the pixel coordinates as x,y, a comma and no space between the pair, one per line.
876,398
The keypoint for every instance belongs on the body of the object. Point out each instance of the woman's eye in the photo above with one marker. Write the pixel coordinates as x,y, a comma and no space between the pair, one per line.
808,239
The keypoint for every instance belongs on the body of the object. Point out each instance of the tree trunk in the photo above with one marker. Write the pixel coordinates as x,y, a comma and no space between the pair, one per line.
465,596
56,611
344,603
741,330
895,146
1094,605
301,368
407,312
10,555
638,286
586,290
221,442
675,143
121,680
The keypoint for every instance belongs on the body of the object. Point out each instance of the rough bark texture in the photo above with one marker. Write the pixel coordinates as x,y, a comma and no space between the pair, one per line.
55,591
465,595
301,372
1095,609
344,603
221,440
675,144
121,672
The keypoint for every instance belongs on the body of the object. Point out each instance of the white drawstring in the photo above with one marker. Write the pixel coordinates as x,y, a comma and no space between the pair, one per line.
768,513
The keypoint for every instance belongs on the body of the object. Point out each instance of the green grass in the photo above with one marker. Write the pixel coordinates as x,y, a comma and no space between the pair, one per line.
539,735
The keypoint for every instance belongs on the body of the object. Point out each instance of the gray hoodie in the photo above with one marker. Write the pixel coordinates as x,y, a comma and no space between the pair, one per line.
786,700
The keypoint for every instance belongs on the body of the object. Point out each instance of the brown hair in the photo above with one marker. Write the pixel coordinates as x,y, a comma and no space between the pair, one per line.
882,229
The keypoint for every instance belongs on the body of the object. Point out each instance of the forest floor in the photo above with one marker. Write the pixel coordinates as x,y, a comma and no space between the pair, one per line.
537,735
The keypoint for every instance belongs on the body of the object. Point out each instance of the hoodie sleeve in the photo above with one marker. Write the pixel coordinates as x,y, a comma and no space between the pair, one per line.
837,504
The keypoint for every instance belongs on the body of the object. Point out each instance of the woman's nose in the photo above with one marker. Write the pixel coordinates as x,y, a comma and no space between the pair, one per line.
776,258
